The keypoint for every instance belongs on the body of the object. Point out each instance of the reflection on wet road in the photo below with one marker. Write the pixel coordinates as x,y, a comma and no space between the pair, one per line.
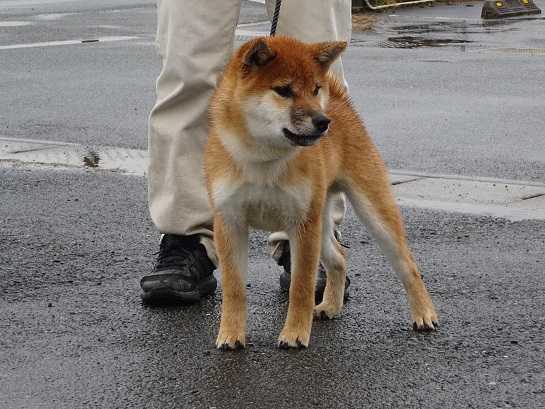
445,25
415,42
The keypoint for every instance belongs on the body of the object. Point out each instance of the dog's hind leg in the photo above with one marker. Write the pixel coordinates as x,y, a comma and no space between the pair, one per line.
232,248
372,199
305,256
332,257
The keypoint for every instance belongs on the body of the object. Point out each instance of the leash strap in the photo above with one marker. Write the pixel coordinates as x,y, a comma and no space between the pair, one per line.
275,17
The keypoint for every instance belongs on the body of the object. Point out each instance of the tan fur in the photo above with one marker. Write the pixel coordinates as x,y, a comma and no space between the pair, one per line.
259,180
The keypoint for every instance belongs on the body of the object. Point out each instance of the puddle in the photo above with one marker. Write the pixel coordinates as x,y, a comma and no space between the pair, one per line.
458,27
440,33
417,42
463,26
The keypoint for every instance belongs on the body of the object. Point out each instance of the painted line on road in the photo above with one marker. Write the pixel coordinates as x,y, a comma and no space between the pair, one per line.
254,24
53,16
57,153
248,31
13,23
37,141
486,179
532,52
513,212
509,199
68,42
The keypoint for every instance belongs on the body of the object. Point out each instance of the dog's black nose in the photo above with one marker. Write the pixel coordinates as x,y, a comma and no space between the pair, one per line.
321,122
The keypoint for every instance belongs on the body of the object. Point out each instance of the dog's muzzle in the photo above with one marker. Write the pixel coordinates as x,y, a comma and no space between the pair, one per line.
302,140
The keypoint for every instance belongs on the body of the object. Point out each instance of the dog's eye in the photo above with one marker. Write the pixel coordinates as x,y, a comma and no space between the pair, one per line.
317,90
284,91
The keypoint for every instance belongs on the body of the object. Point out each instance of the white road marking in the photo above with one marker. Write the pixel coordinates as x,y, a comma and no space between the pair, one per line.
250,30
52,16
254,24
4,139
532,52
509,199
517,211
15,23
67,42
30,3
427,175
243,32
247,34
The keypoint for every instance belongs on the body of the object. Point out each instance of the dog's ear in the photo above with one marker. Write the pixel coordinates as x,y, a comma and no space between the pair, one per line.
259,54
326,53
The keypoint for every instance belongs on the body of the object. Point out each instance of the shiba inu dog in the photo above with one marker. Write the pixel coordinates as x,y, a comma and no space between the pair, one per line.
283,138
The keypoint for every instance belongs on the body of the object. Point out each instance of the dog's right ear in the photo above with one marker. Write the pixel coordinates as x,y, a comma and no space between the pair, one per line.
259,54
326,53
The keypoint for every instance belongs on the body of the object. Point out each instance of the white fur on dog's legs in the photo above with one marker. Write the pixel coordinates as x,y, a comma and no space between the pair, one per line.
333,259
383,221
305,257
232,245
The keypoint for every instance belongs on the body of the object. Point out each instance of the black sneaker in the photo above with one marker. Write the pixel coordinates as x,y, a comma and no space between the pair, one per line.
183,273
285,277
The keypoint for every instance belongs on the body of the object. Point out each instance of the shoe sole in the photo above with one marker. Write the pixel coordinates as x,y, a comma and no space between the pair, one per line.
169,296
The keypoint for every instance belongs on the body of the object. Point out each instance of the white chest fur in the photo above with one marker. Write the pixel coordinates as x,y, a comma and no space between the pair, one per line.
262,206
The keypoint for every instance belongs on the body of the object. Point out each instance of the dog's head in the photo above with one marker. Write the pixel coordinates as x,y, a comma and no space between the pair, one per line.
283,89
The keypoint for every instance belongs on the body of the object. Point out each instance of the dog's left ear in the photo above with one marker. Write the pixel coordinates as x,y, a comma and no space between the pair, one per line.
259,54
326,53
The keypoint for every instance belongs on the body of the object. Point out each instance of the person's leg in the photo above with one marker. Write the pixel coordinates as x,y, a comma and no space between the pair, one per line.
313,21
195,40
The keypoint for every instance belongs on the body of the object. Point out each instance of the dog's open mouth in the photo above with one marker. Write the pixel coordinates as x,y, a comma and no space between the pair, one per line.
301,140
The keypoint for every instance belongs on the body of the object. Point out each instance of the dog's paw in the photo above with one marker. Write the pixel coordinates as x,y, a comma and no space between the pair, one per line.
230,342
293,339
425,320
423,313
425,325
327,311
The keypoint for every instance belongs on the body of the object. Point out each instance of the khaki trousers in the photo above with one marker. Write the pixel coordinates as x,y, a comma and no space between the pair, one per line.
195,40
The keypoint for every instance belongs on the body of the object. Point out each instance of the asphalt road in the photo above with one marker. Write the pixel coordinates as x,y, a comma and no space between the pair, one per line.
471,108
75,335
74,243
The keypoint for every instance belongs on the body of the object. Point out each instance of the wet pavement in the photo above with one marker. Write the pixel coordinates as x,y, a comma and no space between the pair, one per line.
74,333
443,91
465,30
510,199
472,104
455,105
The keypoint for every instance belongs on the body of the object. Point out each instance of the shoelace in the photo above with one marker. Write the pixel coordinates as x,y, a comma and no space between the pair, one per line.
174,255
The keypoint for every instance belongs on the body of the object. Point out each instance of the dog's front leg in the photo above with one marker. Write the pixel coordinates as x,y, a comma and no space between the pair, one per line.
305,256
232,248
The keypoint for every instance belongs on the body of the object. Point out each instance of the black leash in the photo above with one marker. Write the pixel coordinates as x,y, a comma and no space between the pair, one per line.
275,17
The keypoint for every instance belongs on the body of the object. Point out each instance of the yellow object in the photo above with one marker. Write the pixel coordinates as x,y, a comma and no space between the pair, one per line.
525,1
500,4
